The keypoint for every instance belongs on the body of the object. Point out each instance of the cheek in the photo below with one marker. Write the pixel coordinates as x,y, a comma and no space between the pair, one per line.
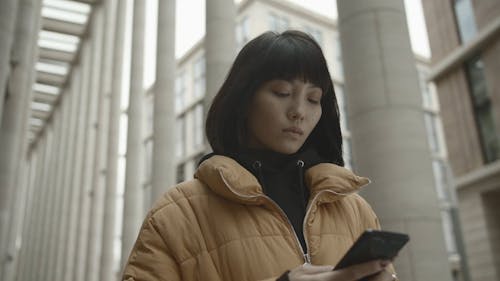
315,117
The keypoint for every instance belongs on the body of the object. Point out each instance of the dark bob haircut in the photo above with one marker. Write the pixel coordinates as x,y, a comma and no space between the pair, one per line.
287,56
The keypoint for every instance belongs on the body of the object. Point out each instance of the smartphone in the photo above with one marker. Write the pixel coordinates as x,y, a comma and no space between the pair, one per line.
372,245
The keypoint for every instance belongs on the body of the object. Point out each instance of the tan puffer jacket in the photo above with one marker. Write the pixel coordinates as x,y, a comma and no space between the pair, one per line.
220,226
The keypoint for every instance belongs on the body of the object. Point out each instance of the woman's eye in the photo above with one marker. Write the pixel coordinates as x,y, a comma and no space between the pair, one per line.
313,101
281,94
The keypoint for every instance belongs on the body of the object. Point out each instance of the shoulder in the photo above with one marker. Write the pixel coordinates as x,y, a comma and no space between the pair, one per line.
181,192
179,205
177,216
362,211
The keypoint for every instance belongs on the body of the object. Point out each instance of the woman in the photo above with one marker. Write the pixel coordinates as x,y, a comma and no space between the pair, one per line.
273,201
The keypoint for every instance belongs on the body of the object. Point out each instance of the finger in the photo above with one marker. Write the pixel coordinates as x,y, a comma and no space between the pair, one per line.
361,270
384,275
314,269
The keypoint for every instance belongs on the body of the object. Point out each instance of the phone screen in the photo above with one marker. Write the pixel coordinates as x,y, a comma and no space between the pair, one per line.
372,245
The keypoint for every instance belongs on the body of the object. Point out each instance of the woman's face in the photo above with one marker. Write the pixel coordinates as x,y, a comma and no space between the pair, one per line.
282,114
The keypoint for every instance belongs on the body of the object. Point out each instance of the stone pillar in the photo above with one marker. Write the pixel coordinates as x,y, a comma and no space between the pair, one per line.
388,132
13,130
164,101
25,170
100,160
67,188
54,238
7,24
133,196
220,45
77,190
45,145
58,231
108,234
22,268
95,40
50,204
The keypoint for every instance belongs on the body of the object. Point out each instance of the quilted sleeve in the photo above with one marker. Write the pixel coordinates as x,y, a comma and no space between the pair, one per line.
150,258
366,216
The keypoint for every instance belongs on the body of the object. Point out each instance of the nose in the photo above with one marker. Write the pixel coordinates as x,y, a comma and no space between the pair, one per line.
296,111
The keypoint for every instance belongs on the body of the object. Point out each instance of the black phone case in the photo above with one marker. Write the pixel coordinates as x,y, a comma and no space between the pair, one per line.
372,245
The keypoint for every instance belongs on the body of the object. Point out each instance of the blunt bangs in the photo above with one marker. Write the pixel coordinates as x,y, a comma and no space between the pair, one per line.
294,56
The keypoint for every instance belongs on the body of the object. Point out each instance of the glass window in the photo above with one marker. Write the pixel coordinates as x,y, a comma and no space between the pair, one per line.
432,132
148,166
149,115
199,78
198,126
179,152
180,91
347,153
466,23
427,100
147,197
338,65
242,32
315,33
483,110
439,178
278,23
180,174
339,93
449,232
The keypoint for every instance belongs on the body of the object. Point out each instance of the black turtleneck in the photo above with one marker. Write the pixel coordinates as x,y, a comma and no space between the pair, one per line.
282,178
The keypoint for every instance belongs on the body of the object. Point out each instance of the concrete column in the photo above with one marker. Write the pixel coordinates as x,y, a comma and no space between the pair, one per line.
50,202
7,24
13,125
80,273
108,234
67,189
164,101
45,146
60,193
220,45
17,227
26,202
42,201
75,185
133,197
59,190
20,209
26,241
388,132
32,192
100,159
22,187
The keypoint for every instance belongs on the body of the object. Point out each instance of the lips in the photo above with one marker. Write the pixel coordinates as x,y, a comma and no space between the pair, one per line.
294,130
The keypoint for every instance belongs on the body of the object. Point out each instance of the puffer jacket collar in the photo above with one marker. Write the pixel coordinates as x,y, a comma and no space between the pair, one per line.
229,179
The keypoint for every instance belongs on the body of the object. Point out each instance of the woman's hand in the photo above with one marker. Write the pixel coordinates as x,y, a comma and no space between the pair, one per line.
309,272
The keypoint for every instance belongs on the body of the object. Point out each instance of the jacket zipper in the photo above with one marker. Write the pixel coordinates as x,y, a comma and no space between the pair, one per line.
308,209
305,255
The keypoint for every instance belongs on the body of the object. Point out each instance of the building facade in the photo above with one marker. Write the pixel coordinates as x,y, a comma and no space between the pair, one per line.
464,37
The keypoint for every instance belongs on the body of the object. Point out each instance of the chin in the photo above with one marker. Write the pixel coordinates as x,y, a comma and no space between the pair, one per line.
287,150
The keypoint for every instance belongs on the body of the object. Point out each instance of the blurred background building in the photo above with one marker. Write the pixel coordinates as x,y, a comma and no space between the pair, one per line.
76,105
464,37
